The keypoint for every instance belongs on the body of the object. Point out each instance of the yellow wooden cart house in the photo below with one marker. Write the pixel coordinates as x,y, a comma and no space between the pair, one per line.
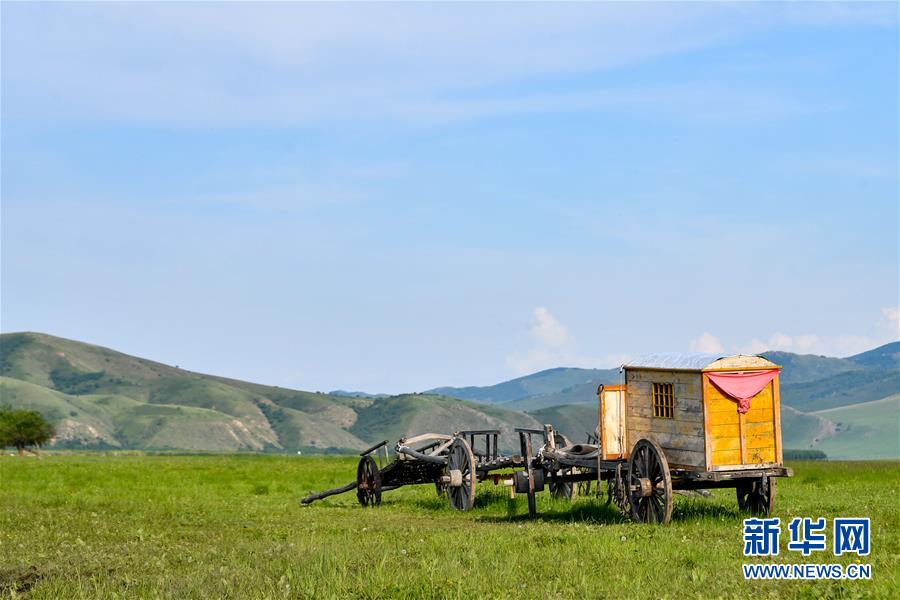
706,412
684,422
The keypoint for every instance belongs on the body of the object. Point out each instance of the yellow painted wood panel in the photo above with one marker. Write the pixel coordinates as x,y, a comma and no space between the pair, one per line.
719,431
727,457
761,455
759,415
724,418
725,428
716,401
726,443
760,429
764,441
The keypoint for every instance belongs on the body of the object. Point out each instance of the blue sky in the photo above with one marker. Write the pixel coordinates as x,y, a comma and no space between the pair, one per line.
396,197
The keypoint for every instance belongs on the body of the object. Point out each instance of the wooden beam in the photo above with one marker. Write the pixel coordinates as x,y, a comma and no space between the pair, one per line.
776,407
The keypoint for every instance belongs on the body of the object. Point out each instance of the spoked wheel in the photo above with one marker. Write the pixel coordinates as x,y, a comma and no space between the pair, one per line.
558,488
584,488
461,474
649,484
756,497
368,482
561,489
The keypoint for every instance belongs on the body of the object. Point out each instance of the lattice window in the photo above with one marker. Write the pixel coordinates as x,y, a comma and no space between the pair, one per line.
664,400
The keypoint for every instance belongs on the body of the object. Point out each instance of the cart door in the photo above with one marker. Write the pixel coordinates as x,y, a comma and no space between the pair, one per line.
612,426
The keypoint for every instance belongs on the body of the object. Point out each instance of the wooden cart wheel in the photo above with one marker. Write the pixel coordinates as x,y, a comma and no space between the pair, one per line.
560,489
584,487
752,499
649,484
462,475
368,482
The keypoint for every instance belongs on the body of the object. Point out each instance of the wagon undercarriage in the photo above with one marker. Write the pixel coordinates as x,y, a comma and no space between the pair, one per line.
642,486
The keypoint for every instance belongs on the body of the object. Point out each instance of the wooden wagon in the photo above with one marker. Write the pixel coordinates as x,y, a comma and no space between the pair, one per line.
454,464
676,422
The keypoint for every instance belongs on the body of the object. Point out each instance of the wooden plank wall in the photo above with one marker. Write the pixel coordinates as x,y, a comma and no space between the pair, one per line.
682,438
736,439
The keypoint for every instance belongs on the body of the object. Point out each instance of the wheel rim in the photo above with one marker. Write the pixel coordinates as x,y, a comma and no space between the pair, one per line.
368,482
649,484
751,498
460,458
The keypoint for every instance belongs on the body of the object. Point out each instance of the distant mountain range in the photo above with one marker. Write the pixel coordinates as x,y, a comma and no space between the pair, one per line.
541,384
100,398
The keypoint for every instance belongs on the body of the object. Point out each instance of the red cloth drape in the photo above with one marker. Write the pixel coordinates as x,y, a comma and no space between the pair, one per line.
741,387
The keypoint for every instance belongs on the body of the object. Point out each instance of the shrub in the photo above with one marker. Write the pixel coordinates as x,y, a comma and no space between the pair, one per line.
23,428
804,455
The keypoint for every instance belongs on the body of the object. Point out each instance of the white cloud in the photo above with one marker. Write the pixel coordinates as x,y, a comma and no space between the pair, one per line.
885,330
707,343
802,344
891,320
548,330
756,346
553,346
195,64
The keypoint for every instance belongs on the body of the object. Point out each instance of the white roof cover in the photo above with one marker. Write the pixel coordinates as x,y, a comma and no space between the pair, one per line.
673,361
699,362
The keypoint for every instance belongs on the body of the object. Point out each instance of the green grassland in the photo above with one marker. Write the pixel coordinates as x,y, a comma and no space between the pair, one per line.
228,526
867,429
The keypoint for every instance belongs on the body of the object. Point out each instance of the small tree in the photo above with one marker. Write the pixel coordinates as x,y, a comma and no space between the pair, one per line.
23,428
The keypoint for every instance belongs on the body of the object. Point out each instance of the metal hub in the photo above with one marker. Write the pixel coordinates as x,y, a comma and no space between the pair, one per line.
456,478
646,487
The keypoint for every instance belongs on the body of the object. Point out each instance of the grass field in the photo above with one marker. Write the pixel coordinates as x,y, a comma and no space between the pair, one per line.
231,527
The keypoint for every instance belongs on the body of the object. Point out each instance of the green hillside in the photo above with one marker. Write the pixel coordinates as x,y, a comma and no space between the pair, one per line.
870,429
396,416
576,421
546,382
851,387
100,398
801,368
803,431
883,357
583,393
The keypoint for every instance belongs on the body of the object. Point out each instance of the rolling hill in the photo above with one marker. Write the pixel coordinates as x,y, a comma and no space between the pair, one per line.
100,398
542,383
869,429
